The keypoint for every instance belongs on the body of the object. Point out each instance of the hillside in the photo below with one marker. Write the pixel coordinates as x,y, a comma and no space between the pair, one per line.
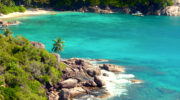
25,70
145,6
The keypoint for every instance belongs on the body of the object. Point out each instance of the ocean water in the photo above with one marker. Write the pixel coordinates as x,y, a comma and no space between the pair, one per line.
148,47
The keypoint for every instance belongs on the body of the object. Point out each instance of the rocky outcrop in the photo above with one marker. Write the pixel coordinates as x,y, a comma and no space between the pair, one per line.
136,81
64,94
93,71
79,78
95,9
98,81
172,10
53,95
67,94
112,68
69,83
38,45
90,83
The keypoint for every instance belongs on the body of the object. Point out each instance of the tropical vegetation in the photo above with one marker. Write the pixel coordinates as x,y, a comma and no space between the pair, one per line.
58,45
8,6
25,71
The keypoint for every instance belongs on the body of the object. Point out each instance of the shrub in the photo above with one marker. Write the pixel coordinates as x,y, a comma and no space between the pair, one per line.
24,69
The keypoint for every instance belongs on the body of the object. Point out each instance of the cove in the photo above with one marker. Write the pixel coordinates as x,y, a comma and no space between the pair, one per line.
147,46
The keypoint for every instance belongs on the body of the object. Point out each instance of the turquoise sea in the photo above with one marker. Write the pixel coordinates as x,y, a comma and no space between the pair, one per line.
148,47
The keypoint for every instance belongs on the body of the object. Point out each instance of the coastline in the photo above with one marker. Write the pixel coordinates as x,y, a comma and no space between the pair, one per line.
85,72
28,12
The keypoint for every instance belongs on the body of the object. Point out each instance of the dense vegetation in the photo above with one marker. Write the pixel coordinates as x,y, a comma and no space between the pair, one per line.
9,6
25,70
76,4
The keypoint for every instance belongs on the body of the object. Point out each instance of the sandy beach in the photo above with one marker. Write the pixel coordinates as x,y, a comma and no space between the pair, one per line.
29,12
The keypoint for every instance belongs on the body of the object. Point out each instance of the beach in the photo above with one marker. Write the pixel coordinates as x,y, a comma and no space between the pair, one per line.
28,12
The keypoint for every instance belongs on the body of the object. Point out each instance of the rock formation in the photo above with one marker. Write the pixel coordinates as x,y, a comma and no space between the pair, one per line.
172,10
38,45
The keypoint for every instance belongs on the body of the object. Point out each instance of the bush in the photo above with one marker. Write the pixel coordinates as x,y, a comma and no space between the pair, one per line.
9,9
24,69
22,9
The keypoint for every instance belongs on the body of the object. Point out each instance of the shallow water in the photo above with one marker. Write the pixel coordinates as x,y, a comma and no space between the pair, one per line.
148,46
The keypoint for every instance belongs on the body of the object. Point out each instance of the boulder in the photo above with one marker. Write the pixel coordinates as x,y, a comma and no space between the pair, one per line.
76,91
69,83
90,83
98,81
112,68
64,94
68,94
105,11
172,11
93,71
94,9
105,74
53,95
38,45
136,81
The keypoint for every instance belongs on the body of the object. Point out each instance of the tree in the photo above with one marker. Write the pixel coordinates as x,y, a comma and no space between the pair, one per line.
58,45
94,2
7,32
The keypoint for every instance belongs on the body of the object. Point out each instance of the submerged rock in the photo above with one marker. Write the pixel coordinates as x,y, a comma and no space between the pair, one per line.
105,74
112,68
136,81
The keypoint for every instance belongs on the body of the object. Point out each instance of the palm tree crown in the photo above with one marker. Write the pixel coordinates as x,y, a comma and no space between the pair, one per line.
58,45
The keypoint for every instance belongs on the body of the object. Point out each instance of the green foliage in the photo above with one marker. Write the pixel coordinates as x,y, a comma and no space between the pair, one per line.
10,9
9,6
24,69
7,32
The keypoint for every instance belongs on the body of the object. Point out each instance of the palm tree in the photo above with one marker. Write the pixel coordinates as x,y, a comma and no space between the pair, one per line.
58,45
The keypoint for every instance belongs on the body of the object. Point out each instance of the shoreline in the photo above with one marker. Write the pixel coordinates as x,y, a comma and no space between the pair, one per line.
28,12
85,70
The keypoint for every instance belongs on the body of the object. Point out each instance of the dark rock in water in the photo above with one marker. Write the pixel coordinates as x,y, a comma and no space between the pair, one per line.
136,81
53,95
69,83
94,94
64,94
93,71
112,68
38,45
105,74
98,81
90,83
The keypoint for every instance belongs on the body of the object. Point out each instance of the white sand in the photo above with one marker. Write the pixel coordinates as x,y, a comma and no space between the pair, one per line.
29,12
